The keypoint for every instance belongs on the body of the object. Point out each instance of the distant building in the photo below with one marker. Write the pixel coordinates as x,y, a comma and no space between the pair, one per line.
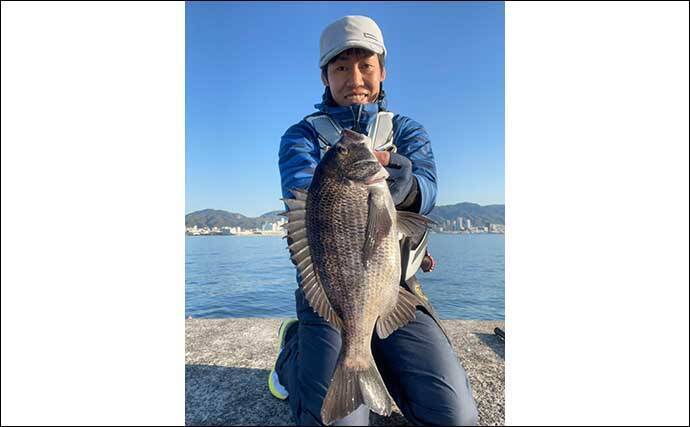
497,228
468,225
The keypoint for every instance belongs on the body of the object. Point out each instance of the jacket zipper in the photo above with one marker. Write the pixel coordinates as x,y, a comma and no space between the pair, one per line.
356,118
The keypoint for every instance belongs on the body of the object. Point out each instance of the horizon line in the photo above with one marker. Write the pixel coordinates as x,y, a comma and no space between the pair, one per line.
280,210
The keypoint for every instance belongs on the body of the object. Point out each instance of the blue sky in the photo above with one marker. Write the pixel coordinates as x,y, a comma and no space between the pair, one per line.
252,72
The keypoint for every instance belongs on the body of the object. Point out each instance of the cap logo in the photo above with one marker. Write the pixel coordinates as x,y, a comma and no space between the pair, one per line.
370,36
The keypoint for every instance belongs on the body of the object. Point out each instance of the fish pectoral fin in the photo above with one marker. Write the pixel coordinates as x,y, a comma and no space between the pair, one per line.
402,313
413,224
378,225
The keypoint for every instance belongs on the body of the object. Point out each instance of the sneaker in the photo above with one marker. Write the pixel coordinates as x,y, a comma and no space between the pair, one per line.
277,389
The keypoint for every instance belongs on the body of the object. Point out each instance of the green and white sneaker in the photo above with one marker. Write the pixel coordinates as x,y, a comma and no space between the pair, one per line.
277,389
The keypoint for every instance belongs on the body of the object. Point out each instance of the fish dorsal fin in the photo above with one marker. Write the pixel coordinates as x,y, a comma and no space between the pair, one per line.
402,313
300,255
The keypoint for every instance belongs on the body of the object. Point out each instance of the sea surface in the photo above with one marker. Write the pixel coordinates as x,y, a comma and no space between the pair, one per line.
252,276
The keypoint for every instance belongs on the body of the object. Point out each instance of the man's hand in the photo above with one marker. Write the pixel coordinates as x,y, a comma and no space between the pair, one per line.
428,263
383,157
400,177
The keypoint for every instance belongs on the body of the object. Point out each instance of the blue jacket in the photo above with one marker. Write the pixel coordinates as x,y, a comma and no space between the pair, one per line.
300,154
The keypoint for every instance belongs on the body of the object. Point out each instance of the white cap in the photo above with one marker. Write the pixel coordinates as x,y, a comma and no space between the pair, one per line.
350,32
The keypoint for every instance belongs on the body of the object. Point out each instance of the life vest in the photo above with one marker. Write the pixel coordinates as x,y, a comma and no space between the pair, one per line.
379,130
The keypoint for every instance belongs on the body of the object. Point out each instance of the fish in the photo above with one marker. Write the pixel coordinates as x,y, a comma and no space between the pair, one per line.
343,238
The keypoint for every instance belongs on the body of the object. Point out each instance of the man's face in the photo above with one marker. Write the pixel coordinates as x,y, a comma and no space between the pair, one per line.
354,78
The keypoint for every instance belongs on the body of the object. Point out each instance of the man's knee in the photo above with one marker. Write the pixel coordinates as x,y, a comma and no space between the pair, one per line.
466,416
451,409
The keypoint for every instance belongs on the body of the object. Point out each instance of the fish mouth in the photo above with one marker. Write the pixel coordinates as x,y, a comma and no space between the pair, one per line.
363,162
378,177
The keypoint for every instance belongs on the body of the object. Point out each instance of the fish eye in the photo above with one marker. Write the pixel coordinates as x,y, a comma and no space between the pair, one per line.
342,150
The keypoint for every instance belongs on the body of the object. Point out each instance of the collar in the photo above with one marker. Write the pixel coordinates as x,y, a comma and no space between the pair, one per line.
355,117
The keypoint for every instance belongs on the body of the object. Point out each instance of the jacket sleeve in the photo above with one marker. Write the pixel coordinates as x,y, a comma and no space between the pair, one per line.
413,142
297,158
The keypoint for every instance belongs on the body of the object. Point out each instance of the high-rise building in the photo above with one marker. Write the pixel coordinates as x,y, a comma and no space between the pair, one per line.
469,224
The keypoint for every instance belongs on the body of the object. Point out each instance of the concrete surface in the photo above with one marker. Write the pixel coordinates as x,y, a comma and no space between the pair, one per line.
228,362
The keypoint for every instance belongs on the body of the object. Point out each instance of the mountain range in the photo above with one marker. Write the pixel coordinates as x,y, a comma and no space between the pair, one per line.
478,215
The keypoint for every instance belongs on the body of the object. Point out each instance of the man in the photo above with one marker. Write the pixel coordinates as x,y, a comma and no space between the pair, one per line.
417,363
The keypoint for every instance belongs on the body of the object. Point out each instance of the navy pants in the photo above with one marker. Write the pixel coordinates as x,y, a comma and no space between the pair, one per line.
417,363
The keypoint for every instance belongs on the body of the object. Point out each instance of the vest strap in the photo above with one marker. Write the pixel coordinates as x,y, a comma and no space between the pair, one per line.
379,130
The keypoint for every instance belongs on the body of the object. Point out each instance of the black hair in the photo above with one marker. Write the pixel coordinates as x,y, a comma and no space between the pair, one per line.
357,51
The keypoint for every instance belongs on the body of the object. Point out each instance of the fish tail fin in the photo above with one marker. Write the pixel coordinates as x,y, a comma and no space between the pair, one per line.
350,387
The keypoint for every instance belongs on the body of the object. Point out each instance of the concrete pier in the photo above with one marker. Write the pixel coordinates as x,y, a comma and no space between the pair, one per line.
228,362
